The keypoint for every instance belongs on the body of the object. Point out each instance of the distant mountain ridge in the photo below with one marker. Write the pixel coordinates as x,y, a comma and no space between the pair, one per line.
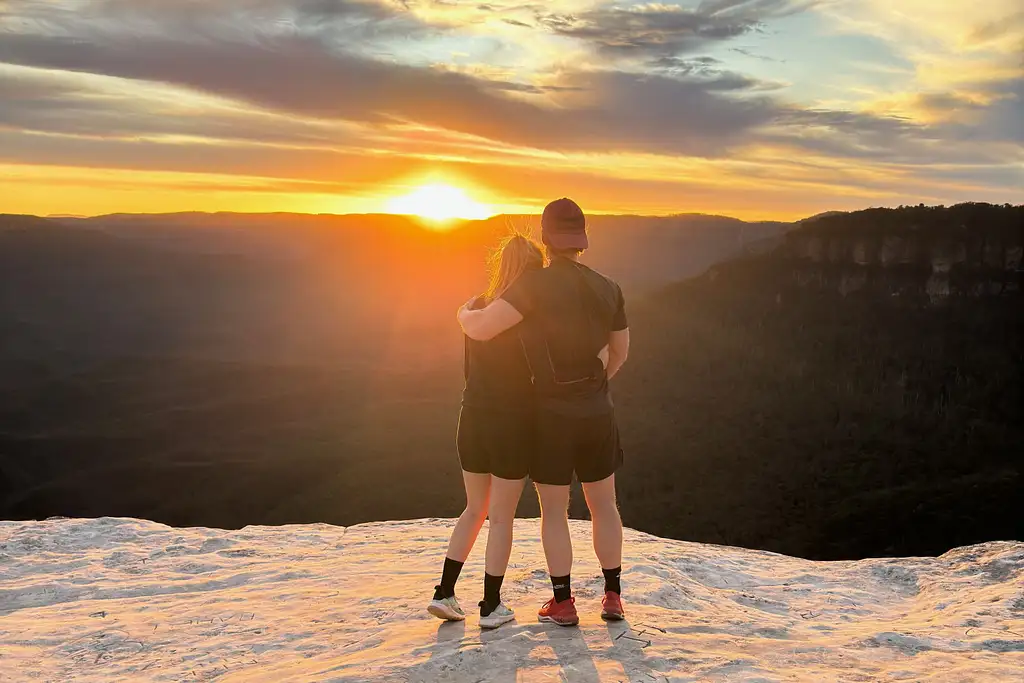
819,216
645,251
266,274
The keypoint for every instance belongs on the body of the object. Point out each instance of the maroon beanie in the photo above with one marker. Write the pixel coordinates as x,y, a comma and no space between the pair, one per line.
563,225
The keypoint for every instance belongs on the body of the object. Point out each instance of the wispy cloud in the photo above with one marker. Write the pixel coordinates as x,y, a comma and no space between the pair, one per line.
664,29
307,74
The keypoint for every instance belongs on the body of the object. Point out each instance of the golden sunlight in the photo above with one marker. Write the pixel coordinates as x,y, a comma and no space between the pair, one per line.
439,202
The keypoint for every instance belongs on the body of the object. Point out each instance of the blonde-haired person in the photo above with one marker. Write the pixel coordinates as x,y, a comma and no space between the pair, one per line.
496,439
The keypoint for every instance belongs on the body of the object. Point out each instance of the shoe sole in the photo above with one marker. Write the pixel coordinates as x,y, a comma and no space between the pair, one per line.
445,613
549,620
495,622
613,616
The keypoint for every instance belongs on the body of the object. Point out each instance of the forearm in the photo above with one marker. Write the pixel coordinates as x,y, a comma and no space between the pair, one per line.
618,351
487,323
615,363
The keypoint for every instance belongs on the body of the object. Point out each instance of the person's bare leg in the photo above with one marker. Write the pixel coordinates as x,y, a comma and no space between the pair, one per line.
554,533
607,525
554,528
504,499
505,495
478,489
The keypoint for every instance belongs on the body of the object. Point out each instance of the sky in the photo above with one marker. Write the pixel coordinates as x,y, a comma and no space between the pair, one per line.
773,109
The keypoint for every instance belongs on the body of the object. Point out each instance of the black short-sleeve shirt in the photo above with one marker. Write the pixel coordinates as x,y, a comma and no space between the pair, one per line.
569,311
497,374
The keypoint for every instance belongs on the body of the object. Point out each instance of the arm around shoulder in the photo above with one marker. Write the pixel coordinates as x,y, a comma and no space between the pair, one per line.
487,323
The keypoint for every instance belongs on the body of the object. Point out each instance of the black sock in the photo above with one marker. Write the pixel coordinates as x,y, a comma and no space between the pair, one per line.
492,594
560,584
611,580
449,575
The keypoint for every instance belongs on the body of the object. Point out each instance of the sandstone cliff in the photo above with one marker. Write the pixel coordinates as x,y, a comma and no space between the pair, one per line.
126,600
971,250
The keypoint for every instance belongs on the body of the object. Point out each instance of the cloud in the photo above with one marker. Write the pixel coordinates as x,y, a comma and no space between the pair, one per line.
947,42
308,75
754,55
352,22
1004,118
45,102
658,30
1011,26
858,137
710,73
141,154
693,107
985,110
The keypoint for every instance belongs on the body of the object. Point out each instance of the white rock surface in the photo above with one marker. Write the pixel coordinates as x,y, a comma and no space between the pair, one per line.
126,600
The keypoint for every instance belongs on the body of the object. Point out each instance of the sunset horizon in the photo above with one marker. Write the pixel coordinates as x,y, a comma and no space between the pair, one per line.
428,220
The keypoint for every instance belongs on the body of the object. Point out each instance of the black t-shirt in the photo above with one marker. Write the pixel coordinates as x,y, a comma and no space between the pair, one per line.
497,373
569,312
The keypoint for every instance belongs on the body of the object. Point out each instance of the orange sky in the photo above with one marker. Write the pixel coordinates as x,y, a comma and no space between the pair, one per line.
768,109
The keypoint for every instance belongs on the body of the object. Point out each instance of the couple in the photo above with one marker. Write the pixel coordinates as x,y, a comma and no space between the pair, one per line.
541,345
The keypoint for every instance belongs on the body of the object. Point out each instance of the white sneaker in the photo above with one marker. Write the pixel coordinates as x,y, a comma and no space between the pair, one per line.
447,609
500,615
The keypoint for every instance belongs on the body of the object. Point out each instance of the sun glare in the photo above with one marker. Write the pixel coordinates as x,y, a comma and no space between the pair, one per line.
439,202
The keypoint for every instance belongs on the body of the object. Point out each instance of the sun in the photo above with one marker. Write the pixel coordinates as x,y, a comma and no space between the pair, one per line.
439,202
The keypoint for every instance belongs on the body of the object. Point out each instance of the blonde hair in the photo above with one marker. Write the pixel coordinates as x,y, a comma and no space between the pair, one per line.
516,254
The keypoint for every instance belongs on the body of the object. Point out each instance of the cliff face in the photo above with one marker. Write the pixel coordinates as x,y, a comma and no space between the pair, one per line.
860,385
121,599
913,253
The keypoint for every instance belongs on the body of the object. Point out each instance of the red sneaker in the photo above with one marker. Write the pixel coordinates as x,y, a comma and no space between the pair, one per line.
611,607
561,613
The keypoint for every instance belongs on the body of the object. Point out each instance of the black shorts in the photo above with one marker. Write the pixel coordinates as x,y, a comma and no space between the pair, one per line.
588,446
497,443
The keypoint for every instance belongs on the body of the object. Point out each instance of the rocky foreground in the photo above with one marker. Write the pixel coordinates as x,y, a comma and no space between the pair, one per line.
127,600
